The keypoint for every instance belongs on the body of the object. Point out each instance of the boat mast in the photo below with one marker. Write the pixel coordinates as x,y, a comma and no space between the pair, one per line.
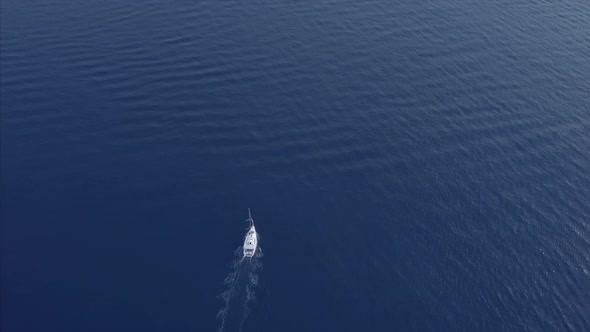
250,218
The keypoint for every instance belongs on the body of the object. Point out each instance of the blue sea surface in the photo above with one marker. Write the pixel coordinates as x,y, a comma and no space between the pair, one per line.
411,165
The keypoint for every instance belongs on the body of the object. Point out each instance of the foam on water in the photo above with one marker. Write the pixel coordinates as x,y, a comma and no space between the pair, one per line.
239,291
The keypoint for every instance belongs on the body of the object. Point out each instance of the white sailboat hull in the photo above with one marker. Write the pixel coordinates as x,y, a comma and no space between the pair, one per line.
250,242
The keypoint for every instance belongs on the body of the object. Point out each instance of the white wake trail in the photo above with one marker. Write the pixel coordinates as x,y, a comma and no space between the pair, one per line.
239,291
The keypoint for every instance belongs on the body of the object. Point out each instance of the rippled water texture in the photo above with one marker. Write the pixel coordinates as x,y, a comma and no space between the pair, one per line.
412,165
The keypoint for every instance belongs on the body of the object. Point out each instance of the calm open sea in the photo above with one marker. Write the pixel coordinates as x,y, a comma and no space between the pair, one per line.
411,165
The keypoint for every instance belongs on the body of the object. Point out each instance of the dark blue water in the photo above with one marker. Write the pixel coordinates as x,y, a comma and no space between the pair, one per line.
411,165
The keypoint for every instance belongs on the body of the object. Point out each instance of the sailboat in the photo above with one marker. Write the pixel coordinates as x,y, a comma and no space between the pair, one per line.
251,239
